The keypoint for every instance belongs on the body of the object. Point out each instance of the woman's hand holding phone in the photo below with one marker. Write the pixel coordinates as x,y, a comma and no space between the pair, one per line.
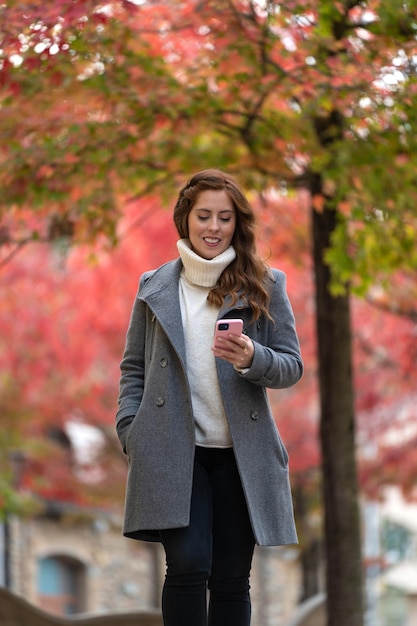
231,344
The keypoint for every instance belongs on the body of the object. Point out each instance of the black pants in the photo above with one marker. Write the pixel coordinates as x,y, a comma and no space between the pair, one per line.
215,551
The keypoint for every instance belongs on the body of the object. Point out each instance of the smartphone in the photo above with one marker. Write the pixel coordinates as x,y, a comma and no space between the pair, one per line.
224,327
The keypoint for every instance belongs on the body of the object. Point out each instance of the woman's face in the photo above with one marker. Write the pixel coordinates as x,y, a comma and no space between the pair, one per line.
211,223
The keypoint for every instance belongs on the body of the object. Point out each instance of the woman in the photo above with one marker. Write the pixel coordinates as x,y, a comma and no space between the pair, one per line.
208,472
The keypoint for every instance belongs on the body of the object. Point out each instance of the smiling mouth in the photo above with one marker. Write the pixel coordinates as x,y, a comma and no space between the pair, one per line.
211,240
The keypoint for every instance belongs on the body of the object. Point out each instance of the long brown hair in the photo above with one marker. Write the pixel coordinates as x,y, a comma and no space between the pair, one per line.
247,275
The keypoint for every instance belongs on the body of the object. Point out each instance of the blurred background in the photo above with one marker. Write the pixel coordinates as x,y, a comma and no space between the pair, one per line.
106,109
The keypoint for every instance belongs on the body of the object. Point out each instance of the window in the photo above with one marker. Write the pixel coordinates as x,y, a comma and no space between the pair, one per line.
60,585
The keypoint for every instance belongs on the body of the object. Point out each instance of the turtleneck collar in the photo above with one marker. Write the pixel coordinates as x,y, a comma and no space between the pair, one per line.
203,272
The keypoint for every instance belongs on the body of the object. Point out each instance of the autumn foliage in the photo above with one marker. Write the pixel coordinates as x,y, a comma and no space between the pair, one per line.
99,98
63,321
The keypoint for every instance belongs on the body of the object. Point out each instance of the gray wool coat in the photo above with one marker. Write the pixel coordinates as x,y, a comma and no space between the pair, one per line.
155,419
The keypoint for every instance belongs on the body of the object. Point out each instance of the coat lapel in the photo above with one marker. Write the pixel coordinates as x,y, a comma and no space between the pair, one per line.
161,294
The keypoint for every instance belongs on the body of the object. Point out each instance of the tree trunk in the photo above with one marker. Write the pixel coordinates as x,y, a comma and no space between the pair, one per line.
337,433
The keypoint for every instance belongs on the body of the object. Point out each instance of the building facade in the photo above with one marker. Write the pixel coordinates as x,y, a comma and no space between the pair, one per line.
68,565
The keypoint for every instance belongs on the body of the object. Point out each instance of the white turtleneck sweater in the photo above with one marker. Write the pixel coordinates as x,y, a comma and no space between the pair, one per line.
199,317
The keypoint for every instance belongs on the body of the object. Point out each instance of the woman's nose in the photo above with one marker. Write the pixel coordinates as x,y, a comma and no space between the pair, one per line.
214,224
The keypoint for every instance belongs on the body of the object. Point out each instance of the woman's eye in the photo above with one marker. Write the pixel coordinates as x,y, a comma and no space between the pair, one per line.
205,218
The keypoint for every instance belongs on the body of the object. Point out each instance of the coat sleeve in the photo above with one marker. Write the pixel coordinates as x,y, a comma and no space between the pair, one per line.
278,364
132,368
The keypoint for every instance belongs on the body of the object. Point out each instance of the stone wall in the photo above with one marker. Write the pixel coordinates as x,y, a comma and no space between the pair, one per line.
121,574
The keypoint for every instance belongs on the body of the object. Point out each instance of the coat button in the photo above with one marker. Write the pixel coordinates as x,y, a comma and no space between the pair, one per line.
160,402
254,415
163,362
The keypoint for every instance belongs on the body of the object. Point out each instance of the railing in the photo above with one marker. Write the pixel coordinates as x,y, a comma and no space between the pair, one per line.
15,611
